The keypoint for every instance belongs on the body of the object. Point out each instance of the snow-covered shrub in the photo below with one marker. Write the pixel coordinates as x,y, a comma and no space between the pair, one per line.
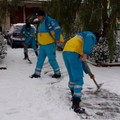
117,51
3,47
100,53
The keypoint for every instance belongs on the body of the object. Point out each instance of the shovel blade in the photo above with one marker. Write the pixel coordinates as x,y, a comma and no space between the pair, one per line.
98,88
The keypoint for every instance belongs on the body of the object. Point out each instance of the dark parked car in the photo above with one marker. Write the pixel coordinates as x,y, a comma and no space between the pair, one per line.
14,38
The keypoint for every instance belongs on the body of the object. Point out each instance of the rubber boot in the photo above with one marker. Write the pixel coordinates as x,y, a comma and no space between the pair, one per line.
72,92
75,105
56,76
35,76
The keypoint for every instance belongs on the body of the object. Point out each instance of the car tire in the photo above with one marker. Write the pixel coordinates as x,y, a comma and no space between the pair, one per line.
12,44
8,41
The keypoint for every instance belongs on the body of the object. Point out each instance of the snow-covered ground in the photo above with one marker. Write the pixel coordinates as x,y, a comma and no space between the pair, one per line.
23,98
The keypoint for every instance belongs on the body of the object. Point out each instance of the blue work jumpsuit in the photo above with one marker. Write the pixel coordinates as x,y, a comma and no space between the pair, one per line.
81,44
29,35
46,29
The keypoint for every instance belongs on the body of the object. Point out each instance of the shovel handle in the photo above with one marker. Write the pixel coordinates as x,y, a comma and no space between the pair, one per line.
89,71
95,82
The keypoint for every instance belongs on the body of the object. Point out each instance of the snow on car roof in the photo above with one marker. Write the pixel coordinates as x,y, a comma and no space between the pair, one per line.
21,24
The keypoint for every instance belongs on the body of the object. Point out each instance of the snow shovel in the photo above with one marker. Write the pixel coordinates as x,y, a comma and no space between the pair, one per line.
93,78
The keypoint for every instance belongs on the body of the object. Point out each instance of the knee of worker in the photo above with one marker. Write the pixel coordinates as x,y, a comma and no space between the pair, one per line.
52,59
39,64
27,42
40,61
53,63
34,46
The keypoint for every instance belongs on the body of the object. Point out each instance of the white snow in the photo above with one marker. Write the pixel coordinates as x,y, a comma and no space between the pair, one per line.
23,98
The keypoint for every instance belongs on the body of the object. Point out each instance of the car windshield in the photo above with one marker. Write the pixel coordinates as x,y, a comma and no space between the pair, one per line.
18,28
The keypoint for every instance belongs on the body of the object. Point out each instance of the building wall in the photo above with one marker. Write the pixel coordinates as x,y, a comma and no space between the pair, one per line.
6,24
16,16
24,12
20,15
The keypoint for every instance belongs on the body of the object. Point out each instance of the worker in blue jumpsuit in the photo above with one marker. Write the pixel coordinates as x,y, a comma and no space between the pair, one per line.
74,53
48,36
28,32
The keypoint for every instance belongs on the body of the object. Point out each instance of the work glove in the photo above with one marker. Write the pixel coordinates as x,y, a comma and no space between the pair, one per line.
83,57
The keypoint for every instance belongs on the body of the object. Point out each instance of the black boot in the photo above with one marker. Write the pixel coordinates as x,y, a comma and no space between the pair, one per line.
75,106
25,56
34,76
72,92
56,76
36,53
